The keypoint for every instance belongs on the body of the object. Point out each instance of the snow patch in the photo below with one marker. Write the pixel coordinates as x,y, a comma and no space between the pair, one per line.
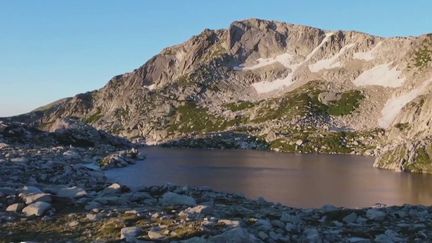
395,104
368,55
380,75
286,60
331,62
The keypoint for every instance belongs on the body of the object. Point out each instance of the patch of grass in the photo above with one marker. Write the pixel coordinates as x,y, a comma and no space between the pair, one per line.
304,101
313,141
297,103
402,126
422,162
240,105
94,117
423,56
192,118
349,101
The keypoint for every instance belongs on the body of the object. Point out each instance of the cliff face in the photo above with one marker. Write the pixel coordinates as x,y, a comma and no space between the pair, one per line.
335,91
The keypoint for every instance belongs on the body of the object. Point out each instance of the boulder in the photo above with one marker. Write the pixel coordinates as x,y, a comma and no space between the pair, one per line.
197,210
36,209
35,197
155,234
30,189
375,214
236,235
129,234
171,198
16,207
71,192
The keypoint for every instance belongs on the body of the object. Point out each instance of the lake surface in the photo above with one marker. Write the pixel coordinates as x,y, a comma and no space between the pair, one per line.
292,179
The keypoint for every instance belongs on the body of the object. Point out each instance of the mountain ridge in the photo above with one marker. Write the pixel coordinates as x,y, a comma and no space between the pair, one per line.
279,83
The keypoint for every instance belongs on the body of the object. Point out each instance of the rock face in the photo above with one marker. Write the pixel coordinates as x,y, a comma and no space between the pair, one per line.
265,80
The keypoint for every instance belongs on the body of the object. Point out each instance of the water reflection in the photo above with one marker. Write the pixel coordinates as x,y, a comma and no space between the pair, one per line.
292,179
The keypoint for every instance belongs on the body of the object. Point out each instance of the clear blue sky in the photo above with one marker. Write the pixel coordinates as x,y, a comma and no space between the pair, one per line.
52,49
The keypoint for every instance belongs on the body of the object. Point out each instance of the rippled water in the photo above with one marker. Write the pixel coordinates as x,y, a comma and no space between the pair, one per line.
292,179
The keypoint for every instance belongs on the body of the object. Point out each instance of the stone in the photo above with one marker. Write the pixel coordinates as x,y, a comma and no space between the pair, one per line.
15,208
129,234
73,223
350,218
92,217
70,154
36,209
171,198
3,145
229,223
358,240
375,214
34,197
329,208
312,235
155,234
19,160
199,209
30,189
236,235
71,192
278,223
299,142
262,235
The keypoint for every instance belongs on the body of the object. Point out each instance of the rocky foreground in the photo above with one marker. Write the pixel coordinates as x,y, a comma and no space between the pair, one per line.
52,191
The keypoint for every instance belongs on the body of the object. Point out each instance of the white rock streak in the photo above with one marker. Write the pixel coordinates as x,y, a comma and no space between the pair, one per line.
332,62
368,55
395,104
286,60
382,75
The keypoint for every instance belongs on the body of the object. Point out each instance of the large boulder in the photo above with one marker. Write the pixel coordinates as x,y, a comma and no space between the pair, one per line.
71,192
36,209
35,197
129,234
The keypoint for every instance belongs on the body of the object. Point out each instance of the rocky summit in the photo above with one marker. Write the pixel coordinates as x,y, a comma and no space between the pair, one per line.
284,87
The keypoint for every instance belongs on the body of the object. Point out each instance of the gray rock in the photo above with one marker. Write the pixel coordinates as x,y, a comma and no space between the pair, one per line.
16,207
155,234
30,189
312,235
73,223
71,192
229,223
171,198
197,210
350,218
129,234
236,235
36,209
278,223
375,214
35,197
92,217
262,235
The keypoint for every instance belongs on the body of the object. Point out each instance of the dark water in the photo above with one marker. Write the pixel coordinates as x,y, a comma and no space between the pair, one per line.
292,179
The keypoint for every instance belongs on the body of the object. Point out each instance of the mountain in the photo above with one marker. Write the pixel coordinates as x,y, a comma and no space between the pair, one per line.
268,84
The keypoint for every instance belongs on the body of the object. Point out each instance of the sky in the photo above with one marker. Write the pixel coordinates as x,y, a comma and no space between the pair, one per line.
53,49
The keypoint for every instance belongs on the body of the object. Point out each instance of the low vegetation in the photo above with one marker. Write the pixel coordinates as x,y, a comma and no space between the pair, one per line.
349,101
240,105
94,117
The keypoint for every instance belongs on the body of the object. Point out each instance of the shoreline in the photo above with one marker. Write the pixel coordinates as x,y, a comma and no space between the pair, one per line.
54,193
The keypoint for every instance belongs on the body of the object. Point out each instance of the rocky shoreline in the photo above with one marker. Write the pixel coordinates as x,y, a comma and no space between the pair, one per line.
54,192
